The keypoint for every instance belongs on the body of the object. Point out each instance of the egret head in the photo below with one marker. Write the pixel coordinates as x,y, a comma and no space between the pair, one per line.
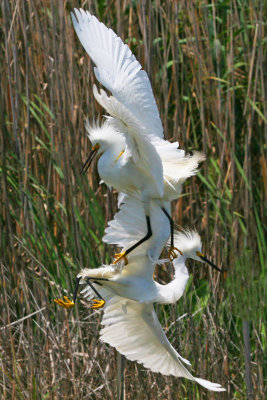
102,138
189,243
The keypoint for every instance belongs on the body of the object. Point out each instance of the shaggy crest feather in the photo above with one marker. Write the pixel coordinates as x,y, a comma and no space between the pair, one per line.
105,132
188,241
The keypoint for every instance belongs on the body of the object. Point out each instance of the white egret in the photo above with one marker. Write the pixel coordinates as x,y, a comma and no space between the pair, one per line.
135,280
134,155
130,322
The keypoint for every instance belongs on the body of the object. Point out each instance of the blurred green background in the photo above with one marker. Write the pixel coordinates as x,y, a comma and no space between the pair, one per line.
208,68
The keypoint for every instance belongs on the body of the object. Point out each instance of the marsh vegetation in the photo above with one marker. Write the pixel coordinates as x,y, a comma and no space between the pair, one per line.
207,65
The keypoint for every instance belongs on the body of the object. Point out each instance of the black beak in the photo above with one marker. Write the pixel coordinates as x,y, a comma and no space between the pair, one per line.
210,263
89,160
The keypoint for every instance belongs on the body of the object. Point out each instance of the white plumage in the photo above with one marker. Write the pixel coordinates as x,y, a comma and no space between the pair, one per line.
132,104
134,330
138,159
124,230
135,280
130,322
118,70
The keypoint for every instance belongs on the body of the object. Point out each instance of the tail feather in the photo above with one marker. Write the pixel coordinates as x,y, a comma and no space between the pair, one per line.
178,170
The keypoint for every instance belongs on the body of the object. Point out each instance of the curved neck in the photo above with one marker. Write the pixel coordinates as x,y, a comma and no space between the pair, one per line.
172,292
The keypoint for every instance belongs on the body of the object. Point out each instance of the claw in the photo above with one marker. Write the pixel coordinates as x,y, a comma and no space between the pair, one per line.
119,256
97,303
171,253
65,304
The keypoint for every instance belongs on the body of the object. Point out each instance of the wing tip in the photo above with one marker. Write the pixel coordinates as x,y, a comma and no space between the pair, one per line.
215,387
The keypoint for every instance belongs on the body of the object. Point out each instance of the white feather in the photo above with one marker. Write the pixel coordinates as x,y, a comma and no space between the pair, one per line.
129,225
118,70
134,330
137,144
130,322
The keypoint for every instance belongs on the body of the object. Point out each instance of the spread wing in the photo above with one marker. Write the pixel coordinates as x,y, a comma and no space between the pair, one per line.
132,104
118,70
124,230
134,330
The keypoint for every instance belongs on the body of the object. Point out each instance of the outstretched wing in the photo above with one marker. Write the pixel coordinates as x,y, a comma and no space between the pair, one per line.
118,70
134,330
132,104
124,230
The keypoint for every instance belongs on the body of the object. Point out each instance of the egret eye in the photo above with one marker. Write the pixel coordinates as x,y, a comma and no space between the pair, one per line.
96,147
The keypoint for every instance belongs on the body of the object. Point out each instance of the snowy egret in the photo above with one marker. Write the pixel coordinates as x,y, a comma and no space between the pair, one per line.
134,155
124,230
130,322
135,280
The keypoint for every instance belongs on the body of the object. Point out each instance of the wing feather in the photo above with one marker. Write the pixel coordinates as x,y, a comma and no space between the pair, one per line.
134,330
124,230
118,70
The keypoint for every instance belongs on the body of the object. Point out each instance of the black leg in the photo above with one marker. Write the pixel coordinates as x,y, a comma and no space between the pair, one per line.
76,289
93,288
148,235
171,224
87,280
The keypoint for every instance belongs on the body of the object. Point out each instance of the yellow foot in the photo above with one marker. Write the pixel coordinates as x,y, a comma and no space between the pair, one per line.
66,304
119,256
97,303
171,253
